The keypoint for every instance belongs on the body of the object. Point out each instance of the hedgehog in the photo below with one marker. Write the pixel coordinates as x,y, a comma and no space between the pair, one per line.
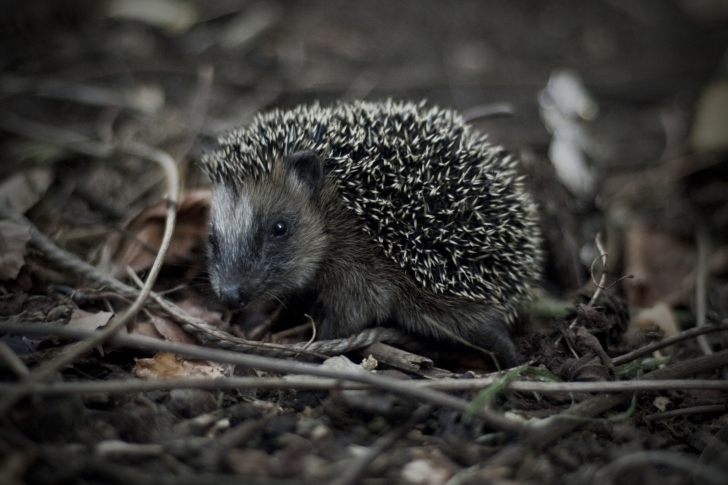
390,213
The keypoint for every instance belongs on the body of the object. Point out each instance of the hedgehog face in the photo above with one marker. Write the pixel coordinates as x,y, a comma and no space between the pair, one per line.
267,237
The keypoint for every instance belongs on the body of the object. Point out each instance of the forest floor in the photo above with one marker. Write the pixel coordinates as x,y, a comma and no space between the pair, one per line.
619,113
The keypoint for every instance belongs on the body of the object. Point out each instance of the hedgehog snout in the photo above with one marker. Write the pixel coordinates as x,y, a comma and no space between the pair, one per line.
234,296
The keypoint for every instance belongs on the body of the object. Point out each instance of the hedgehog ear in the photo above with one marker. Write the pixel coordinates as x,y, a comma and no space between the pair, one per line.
306,168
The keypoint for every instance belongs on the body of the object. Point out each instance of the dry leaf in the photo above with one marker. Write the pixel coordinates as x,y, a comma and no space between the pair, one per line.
196,309
661,403
190,233
13,247
89,321
171,330
165,365
145,329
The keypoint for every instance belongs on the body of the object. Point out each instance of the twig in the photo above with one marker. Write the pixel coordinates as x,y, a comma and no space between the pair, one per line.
679,337
44,371
395,386
709,408
323,384
604,256
398,358
355,470
700,288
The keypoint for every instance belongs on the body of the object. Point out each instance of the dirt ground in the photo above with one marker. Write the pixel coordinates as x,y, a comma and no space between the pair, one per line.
618,111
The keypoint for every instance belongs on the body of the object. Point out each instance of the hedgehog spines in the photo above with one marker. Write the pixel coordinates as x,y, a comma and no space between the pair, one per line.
440,201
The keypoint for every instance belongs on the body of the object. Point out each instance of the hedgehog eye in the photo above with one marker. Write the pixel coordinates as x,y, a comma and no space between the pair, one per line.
280,228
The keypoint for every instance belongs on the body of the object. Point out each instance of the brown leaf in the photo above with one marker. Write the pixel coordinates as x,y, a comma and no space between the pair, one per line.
190,233
166,365
13,247
145,329
89,321
196,309
171,331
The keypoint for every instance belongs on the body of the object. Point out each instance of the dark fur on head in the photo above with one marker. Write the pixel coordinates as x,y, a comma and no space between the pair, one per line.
344,201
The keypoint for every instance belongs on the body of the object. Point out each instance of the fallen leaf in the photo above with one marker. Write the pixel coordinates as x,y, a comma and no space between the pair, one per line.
197,309
165,366
13,247
661,403
171,331
190,233
145,329
89,321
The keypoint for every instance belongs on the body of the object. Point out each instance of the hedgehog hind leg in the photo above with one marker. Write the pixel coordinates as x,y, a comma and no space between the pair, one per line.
493,335
463,323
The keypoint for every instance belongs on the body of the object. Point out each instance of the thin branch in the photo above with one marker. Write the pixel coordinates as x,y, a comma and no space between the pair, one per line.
603,255
701,284
679,337
396,386
708,408
323,384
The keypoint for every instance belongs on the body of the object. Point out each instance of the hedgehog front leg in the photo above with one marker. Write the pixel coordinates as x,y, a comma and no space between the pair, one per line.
350,304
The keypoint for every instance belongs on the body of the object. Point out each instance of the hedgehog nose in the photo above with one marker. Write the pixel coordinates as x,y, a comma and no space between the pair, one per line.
232,296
